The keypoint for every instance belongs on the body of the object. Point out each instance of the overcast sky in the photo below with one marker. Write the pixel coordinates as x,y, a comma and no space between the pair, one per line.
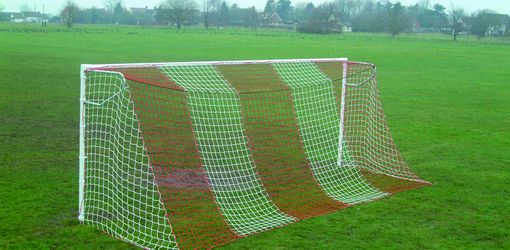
53,6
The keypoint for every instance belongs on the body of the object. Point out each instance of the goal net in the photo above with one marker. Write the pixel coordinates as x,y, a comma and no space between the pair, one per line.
194,155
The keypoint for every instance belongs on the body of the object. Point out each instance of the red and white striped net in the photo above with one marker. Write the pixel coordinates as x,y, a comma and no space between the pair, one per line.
195,155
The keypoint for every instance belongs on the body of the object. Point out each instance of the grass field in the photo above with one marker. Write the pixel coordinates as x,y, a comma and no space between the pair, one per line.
447,103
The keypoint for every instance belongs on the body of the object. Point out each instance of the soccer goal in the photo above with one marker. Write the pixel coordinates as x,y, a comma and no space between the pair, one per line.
197,154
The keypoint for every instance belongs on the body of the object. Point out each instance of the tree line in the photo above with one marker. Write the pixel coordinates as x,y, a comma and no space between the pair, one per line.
328,17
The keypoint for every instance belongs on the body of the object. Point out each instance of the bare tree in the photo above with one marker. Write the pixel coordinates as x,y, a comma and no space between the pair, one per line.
269,9
481,21
25,8
117,12
398,19
252,19
110,6
456,14
179,11
355,7
210,5
424,4
224,15
322,19
68,14
328,18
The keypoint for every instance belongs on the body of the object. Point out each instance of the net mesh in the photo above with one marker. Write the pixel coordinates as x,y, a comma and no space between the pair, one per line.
121,196
196,155
317,113
367,136
216,116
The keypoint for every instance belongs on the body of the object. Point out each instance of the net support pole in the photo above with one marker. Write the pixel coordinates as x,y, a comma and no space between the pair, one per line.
342,114
81,161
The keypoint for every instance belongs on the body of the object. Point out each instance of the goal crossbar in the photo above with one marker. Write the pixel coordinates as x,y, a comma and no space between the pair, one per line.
86,67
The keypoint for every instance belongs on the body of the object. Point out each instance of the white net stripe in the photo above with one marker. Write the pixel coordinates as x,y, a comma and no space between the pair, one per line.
121,197
367,132
216,115
318,118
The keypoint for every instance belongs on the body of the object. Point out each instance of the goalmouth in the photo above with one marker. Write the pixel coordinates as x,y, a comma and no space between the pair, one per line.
197,154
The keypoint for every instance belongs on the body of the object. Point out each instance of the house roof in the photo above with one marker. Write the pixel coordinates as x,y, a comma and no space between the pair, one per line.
138,10
501,18
496,19
332,18
31,14
275,18
239,14
28,14
142,11
11,15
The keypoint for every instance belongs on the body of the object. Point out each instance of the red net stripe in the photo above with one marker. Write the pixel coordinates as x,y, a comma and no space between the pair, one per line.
273,137
146,75
166,125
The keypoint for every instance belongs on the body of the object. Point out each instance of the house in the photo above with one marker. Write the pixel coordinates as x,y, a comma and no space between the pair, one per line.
34,17
346,27
500,25
15,17
274,20
142,11
247,17
333,25
143,15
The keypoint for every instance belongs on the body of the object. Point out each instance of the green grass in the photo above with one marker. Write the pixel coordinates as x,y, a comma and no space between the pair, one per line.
448,105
